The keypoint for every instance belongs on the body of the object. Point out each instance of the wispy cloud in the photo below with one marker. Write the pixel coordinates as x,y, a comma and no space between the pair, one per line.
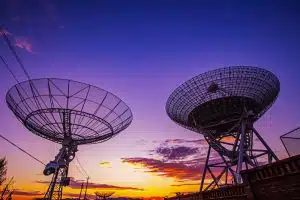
21,42
176,158
76,184
105,164
181,149
27,193
182,141
24,43
176,152
167,169
4,32
76,195
185,184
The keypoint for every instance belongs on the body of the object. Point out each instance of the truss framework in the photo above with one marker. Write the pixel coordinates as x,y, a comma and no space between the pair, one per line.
234,156
95,115
55,188
61,163
70,113
220,94
291,142
225,103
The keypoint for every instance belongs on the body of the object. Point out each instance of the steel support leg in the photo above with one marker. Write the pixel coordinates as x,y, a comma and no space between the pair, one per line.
265,144
205,169
55,188
241,152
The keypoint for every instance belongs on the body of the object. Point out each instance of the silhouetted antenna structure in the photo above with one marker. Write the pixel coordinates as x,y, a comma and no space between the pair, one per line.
69,113
223,105
80,169
291,142
179,194
80,191
103,195
86,187
66,112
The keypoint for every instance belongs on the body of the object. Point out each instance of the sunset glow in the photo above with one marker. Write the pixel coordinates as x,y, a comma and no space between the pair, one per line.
141,51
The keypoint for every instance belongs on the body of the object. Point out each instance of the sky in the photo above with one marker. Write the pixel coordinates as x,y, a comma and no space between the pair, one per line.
141,51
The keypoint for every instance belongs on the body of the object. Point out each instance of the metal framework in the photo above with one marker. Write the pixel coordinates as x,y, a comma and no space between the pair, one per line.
70,113
222,105
291,142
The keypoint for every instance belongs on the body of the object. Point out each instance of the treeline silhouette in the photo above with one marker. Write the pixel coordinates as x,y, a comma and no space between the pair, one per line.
6,190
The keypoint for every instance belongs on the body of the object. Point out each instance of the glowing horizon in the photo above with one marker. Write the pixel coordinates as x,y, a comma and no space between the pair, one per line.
141,52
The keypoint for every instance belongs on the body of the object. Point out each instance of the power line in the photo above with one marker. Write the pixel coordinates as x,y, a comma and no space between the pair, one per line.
7,67
22,149
34,90
82,167
27,74
15,53
77,167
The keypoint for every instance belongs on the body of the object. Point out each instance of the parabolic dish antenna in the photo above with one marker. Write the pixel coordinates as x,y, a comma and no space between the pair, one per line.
56,108
70,113
222,105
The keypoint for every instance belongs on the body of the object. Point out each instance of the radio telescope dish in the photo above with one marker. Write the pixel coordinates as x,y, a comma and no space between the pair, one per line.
222,105
56,108
70,113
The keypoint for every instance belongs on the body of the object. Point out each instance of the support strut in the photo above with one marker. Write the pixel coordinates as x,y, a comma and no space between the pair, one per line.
60,167
59,180
242,154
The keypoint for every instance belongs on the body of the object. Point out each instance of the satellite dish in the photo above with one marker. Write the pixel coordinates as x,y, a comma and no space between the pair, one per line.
69,113
223,105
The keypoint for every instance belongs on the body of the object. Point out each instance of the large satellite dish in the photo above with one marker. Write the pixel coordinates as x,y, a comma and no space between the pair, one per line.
70,113
222,105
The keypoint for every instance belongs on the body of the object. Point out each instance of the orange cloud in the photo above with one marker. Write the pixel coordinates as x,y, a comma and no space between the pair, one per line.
23,43
176,158
27,193
167,169
76,184
76,195
185,184
228,139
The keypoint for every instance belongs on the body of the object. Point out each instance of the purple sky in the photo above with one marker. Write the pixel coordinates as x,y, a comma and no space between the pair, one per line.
141,51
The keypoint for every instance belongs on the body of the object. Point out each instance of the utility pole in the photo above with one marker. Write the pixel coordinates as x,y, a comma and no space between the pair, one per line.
80,191
86,186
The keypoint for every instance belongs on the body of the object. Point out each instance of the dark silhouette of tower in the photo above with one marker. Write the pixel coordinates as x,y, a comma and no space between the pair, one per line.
223,105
